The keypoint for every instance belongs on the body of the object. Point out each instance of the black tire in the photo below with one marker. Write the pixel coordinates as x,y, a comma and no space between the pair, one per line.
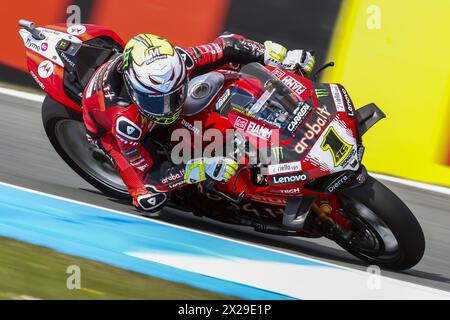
396,216
53,115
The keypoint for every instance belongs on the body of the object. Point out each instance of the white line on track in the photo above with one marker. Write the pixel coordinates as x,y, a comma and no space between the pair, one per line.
419,185
22,95
356,279
414,184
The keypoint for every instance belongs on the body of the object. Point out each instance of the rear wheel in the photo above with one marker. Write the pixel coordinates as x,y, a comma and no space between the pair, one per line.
383,229
67,133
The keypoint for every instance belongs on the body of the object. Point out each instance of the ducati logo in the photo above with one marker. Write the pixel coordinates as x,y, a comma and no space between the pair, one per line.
45,69
76,29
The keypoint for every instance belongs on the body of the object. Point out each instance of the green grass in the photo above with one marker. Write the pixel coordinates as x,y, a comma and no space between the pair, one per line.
28,271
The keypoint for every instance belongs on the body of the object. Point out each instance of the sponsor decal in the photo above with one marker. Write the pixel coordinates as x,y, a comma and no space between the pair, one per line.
76,29
153,53
128,129
221,101
253,45
126,142
67,59
293,166
271,122
337,183
360,153
278,73
258,130
313,130
265,199
92,86
293,84
289,191
337,97
142,168
244,112
197,53
300,115
336,145
108,93
285,179
44,46
188,61
131,153
63,44
277,154
350,157
173,177
321,93
137,162
146,123
253,128
45,69
348,102
37,80
190,126
176,184
33,45
51,31
240,123
212,48
106,70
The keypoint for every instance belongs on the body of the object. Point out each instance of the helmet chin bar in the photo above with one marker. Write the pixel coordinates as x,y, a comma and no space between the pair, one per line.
164,120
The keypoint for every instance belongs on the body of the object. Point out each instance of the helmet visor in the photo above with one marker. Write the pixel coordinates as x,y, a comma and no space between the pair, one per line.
161,108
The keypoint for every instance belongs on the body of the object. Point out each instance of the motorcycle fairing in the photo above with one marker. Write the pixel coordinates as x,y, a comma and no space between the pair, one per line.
65,59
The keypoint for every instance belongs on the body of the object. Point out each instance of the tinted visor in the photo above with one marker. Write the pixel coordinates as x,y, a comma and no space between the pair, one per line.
162,105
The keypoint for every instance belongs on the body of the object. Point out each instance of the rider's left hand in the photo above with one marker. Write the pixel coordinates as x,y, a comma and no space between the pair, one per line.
220,169
299,58
277,55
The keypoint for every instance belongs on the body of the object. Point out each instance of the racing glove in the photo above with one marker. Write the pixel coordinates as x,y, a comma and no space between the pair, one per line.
149,202
278,56
217,168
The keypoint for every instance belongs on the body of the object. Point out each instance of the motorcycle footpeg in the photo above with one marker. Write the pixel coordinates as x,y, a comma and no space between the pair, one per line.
210,187
296,212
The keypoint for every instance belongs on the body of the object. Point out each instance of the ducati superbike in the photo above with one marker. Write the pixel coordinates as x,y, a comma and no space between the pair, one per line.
315,184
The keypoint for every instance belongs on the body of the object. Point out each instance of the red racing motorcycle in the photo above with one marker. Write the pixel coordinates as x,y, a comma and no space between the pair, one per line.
314,184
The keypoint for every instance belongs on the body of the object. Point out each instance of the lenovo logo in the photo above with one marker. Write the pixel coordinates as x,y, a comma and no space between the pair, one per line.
284,179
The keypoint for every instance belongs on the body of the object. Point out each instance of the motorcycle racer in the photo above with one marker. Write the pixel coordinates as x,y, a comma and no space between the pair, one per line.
146,86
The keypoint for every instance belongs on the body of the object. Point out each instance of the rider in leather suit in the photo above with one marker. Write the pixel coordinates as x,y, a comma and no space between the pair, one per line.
145,87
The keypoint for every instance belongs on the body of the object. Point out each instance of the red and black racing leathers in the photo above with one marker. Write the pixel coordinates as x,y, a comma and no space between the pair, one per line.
115,122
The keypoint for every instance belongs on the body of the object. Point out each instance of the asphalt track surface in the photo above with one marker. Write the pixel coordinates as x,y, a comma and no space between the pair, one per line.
27,159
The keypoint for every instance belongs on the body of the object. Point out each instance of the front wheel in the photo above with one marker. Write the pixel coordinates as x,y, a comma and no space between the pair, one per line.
66,131
383,231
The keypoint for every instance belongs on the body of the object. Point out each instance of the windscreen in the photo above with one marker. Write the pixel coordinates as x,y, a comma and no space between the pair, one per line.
267,99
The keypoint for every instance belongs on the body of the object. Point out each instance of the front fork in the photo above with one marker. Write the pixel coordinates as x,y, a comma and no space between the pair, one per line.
328,208
331,221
